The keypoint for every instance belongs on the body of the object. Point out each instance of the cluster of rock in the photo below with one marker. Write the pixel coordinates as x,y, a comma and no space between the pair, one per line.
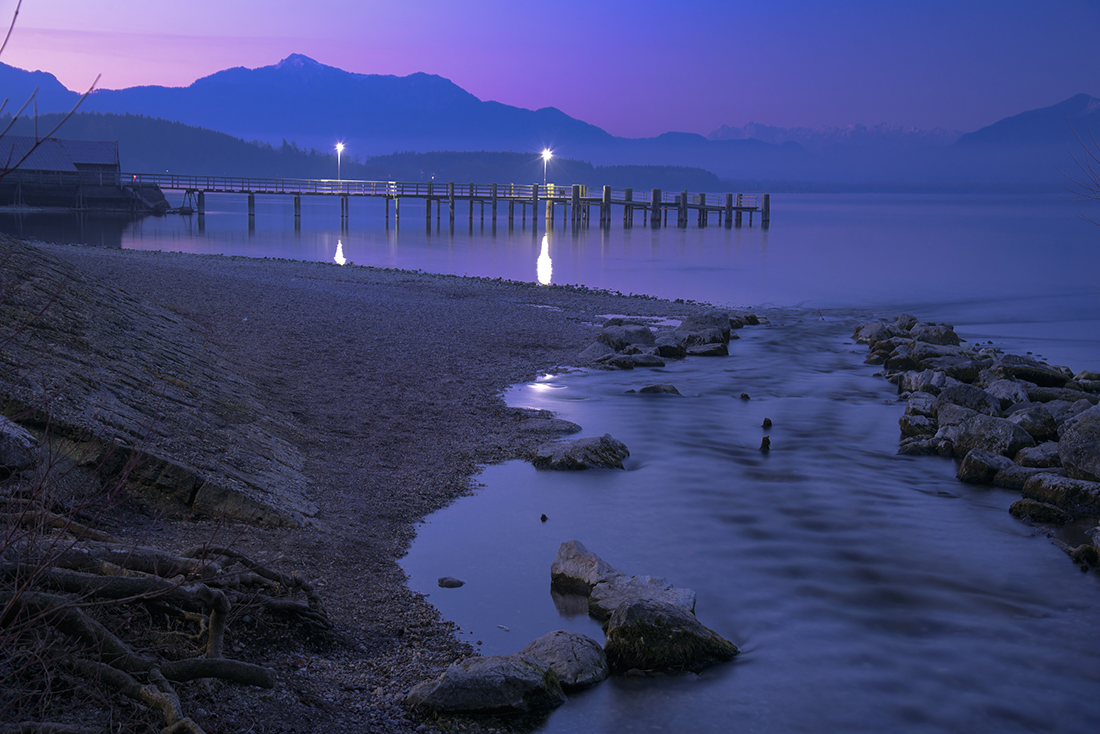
1013,421
625,343
650,626
600,452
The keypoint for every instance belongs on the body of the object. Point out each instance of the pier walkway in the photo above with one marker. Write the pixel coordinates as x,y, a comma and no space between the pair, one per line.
576,202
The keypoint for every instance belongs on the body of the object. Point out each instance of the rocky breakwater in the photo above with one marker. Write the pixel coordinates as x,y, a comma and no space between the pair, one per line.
625,343
1012,421
118,384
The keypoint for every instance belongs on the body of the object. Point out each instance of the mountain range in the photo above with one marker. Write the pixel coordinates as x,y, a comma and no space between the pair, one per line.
314,105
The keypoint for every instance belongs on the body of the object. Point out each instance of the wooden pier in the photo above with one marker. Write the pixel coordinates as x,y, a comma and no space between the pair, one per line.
575,202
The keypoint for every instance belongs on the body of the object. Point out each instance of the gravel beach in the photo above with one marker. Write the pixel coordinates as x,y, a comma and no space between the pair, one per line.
391,381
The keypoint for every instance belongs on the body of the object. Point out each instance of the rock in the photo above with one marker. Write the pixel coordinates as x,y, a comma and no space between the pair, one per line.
1013,476
917,446
1079,446
962,369
449,582
660,390
765,444
921,403
925,351
906,321
873,332
1089,375
967,429
609,595
619,337
713,319
577,570
647,360
602,452
968,396
650,635
617,361
577,660
709,350
917,425
1046,394
596,351
1043,456
1032,370
935,334
18,448
980,466
902,359
499,684
928,381
1037,421
706,336
1007,392
767,423
1073,495
669,346
1039,512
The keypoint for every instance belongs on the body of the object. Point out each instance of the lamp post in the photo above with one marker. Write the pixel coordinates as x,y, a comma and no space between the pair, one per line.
546,156
339,150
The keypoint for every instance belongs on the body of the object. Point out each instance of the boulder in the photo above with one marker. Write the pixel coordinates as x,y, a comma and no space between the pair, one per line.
962,369
1015,477
980,466
577,570
620,337
500,684
1043,456
577,660
713,319
647,360
617,361
1039,512
917,425
660,390
1046,394
929,381
906,321
935,334
609,595
968,396
1087,375
873,332
1038,421
669,346
449,582
921,403
967,429
1073,495
655,636
18,448
1007,392
1032,370
922,351
1079,446
709,350
597,350
585,453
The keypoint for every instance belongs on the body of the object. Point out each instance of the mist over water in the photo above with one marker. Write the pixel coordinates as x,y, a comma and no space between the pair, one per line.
867,591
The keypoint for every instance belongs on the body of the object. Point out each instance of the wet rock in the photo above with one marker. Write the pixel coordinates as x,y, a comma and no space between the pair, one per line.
709,350
917,425
620,337
765,444
602,452
577,570
1008,392
1090,375
962,369
669,346
980,466
577,660
1031,370
662,389
767,423
647,360
1073,495
1037,421
921,403
918,446
1079,447
713,320
1013,476
18,448
617,361
968,396
906,321
902,359
1046,394
1043,456
499,684
1036,511
873,332
967,429
943,334
650,636
449,582
609,595
928,381
596,351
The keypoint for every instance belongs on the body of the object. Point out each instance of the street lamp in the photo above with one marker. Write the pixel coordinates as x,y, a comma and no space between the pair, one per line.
339,150
546,156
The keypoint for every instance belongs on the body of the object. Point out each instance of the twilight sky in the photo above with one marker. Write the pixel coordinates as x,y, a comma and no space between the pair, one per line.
636,68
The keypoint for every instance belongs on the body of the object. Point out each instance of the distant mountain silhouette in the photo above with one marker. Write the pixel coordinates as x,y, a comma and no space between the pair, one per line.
314,105
17,86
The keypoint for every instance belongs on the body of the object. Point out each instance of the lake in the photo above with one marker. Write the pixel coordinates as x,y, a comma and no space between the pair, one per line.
867,591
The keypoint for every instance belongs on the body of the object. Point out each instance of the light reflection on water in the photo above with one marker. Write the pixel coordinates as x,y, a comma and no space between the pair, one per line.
867,591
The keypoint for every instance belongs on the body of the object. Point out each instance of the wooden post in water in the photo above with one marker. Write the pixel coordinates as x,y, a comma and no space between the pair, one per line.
494,212
534,205
766,212
605,207
451,201
251,205
737,221
397,211
428,206
297,206
729,211
576,198
683,221
387,211
702,210
202,202
628,209
471,205
655,209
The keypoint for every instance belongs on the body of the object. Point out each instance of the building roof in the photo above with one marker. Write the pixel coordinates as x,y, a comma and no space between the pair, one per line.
56,154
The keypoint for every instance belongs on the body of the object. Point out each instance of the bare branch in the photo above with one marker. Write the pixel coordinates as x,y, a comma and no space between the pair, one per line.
11,26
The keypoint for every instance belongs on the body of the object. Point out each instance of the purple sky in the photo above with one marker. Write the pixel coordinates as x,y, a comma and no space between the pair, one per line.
634,68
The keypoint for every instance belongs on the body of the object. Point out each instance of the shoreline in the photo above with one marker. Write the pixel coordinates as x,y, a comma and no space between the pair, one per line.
392,382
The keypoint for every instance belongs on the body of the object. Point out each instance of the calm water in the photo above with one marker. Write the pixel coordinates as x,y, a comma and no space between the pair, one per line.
868,592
